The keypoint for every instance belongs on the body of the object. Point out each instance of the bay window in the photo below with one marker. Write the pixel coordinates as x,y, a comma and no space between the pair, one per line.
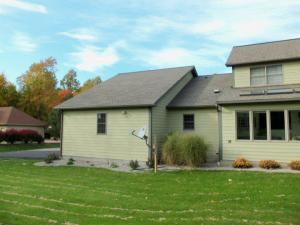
274,125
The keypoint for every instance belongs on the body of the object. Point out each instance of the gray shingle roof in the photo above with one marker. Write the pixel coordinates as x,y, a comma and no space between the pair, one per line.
199,92
133,89
265,52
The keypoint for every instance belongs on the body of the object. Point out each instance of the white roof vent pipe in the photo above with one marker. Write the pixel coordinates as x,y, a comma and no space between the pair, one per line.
216,91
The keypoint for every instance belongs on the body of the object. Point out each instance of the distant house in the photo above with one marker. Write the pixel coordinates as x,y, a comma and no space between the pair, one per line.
12,118
252,112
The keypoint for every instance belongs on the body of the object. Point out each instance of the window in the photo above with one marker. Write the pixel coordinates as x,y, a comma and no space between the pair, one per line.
274,74
294,125
243,128
188,122
277,125
266,75
260,125
101,123
257,76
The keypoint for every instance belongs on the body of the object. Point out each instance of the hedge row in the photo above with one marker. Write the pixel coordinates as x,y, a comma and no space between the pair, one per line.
12,135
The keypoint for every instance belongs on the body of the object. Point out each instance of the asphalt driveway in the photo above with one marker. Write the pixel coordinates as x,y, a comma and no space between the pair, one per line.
30,154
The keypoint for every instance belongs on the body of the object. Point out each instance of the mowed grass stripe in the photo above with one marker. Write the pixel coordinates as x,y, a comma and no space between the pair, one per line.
166,198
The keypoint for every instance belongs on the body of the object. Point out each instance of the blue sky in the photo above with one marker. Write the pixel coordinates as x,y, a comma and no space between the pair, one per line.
101,37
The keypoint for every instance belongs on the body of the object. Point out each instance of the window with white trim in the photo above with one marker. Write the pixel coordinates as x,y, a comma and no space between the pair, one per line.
277,125
260,125
266,75
294,125
242,125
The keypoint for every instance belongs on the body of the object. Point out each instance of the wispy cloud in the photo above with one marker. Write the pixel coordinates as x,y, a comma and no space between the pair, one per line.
23,42
22,5
91,58
81,34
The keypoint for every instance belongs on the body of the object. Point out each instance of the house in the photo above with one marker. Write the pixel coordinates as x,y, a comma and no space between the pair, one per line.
252,112
12,118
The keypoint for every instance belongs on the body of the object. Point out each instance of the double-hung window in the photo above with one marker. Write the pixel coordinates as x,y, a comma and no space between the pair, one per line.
101,123
266,75
242,125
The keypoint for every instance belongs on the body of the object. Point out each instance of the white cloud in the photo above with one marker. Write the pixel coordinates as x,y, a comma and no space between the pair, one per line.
23,42
174,56
90,58
22,5
81,35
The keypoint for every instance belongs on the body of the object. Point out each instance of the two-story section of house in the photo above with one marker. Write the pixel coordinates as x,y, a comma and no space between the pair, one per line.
261,110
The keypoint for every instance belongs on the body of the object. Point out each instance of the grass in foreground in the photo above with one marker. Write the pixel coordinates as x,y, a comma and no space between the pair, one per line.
21,147
69,195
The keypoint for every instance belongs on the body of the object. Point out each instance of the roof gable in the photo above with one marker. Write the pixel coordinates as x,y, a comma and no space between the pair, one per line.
135,89
13,116
265,52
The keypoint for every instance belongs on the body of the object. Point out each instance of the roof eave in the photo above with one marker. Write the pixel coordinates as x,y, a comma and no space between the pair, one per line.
258,101
104,107
228,64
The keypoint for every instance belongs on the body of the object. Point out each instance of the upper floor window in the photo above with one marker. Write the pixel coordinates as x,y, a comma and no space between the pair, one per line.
266,75
101,123
188,122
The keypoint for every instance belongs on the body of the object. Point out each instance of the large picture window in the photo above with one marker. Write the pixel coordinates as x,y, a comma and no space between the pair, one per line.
101,123
277,125
260,125
294,125
242,123
266,75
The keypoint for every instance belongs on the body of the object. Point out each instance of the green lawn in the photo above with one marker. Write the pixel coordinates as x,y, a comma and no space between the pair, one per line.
71,195
20,147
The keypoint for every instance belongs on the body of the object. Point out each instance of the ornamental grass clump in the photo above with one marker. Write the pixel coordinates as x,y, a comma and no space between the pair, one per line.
185,150
269,164
295,165
242,163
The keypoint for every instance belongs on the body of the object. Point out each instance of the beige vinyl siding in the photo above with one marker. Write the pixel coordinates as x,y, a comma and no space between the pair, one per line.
80,136
291,74
160,114
282,151
241,76
40,130
206,126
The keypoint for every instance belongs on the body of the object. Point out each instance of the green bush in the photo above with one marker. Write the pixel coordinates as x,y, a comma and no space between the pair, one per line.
134,164
184,149
51,157
70,161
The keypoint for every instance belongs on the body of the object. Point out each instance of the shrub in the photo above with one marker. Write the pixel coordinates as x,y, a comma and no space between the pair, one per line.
2,136
269,164
242,163
70,161
184,149
295,164
114,165
11,136
51,157
150,163
134,164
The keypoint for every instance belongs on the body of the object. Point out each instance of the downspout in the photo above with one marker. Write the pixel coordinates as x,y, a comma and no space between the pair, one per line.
61,131
220,153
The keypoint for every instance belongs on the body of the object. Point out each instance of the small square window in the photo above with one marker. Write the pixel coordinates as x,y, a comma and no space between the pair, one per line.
101,123
188,122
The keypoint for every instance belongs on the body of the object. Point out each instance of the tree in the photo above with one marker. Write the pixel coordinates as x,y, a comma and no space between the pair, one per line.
70,82
54,123
38,89
8,92
90,83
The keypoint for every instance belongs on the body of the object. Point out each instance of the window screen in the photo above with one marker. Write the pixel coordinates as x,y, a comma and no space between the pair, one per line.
274,74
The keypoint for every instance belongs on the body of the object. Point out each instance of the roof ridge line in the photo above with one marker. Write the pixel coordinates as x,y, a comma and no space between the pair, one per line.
157,69
267,42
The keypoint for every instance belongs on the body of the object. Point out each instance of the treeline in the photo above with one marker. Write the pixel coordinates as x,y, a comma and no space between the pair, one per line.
39,91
